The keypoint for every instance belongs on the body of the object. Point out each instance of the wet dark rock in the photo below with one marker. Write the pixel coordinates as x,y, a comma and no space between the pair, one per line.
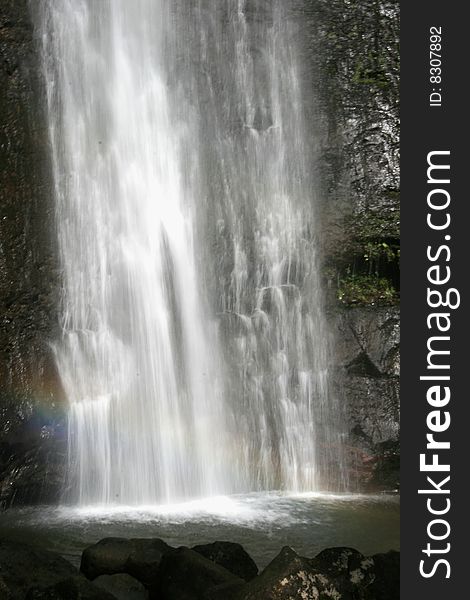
386,472
144,560
22,567
354,571
386,581
72,588
28,573
291,577
30,391
338,560
354,82
32,473
232,590
367,377
362,366
356,85
231,556
372,333
335,573
187,575
122,587
137,557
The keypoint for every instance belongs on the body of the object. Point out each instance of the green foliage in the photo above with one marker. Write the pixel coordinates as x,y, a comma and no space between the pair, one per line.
366,290
374,251
372,71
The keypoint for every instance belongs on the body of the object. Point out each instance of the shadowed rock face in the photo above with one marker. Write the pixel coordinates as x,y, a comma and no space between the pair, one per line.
30,416
368,370
353,58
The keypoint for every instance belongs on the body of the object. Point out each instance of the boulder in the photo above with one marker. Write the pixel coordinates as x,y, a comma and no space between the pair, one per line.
137,557
386,582
367,377
122,586
291,577
352,571
145,558
233,590
23,566
187,575
231,556
338,560
365,577
72,588
106,557
217,571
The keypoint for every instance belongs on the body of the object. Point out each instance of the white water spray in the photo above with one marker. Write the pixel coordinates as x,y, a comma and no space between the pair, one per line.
183,198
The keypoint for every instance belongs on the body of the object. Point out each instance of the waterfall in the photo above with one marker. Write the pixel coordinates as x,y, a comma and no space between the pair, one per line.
194,351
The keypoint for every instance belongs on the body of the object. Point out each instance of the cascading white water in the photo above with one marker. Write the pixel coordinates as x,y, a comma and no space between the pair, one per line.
181,164
137,359
264,227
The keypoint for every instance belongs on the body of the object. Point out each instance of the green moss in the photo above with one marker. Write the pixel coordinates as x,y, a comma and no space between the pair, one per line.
377,250
366,290
371,71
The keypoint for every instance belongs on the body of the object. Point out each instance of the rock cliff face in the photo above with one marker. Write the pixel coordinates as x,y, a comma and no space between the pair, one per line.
29,390
368,372
350,57
353,48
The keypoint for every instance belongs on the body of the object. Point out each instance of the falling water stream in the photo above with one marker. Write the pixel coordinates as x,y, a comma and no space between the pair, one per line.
194,351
